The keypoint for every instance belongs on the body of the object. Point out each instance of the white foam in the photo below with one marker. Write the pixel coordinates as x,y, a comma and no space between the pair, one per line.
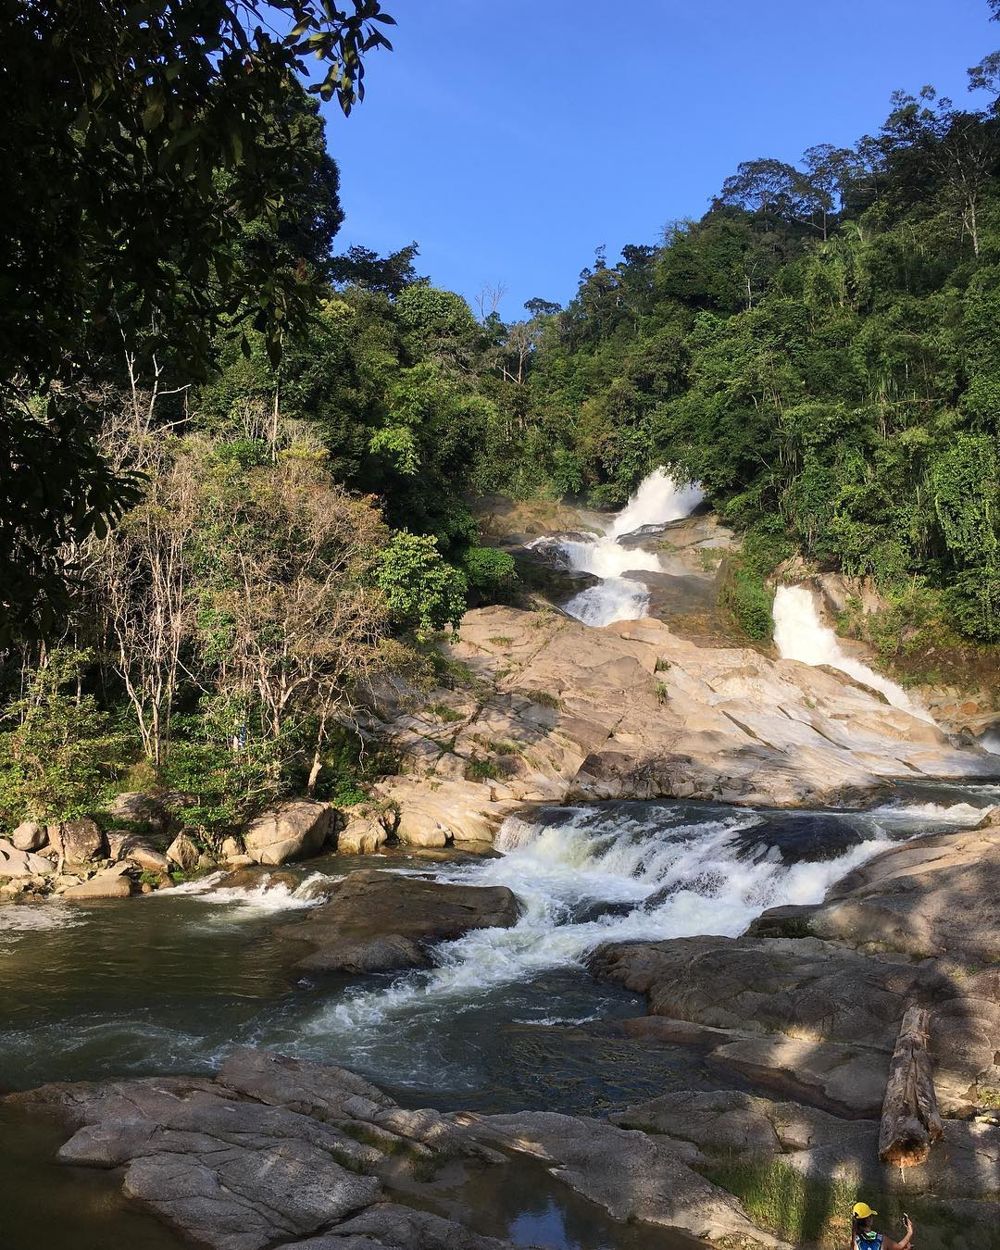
799,634
676,880
961,814
245,902
18,919
617,599
659,499
991,742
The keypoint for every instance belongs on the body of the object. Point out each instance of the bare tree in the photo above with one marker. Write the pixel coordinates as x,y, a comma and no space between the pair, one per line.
144,576
489,299
293,582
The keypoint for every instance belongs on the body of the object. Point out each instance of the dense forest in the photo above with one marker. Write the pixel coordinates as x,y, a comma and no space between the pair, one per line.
241,468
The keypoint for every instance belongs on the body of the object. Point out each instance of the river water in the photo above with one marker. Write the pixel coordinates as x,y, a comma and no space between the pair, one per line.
504,1020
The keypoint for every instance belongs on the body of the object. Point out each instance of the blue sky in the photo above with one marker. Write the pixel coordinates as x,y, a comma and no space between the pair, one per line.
512,137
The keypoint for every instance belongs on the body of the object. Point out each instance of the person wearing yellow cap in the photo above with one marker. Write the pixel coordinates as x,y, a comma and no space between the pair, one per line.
864,1237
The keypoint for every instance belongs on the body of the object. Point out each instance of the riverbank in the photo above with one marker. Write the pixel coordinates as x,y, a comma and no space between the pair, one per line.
506,1019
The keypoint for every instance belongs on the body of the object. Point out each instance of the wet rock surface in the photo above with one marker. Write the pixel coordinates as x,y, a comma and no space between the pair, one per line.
559,711
280,1152
378,921
816,1017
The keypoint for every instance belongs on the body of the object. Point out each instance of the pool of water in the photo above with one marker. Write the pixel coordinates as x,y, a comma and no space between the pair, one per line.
504,1020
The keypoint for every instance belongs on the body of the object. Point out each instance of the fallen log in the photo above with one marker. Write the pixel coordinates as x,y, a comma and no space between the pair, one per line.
911,1123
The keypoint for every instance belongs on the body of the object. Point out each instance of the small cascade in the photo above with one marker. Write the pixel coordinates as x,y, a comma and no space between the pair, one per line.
630,872
799,634
658,500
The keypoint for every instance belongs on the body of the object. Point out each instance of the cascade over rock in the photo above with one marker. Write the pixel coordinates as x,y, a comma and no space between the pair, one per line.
564,711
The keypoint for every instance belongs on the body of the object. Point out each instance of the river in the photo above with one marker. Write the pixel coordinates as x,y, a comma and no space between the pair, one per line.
505,1019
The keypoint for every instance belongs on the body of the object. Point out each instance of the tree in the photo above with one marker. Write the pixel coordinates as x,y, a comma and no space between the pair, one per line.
391,275
137,141
961,148
290,609
423,593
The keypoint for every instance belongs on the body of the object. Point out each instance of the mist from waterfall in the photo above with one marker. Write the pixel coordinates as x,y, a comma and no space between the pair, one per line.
800,634
658,500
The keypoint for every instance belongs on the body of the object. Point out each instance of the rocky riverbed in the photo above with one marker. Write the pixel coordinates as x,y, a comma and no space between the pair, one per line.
789,1027
617,959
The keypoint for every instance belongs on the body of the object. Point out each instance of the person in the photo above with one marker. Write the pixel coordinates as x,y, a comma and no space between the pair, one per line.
863,1236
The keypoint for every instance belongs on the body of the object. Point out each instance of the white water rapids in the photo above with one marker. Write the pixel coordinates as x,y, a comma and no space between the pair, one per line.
625,872
799,634
658,500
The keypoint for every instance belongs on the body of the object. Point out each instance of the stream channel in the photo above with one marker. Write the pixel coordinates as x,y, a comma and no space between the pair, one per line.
505,1020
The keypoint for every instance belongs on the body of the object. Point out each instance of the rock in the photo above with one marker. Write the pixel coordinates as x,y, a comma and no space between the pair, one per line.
632,1175
388,1226
232,849
127,847
793,1009
141,809
847,1080
739,1125
272,1152
111,883
935,896
293,831
376,921
803,987
147,859
18,863
184,853
361,836
77,841
568,713
29,836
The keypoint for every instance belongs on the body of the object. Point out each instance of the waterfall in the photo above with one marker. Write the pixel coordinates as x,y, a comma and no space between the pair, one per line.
658,500
619,872
799,634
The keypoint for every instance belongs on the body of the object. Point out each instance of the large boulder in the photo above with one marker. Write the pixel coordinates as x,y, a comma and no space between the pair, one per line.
30,836
77,841
17,863
273,1152
814,1019
112,883
184,853
633,1175
292,831
934,897
141,809
745,1127
377,921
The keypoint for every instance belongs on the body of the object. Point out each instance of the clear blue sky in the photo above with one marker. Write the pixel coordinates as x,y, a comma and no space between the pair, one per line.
511,137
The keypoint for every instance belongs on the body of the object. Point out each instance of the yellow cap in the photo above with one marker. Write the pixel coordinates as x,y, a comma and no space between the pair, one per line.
862,1210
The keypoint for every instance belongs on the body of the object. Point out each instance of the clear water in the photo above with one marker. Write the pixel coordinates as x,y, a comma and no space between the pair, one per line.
506,1019
169,982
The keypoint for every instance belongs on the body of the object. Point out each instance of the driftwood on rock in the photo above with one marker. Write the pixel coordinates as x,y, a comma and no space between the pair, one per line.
911,1123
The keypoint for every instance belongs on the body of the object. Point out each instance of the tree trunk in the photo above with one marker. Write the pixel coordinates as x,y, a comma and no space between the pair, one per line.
911,1123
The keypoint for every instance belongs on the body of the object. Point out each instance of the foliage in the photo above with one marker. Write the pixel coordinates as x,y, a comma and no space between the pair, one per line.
59,753
422,592
155,155
489,572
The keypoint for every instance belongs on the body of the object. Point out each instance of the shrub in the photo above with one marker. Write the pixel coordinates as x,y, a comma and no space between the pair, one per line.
60,754
423,592
490,573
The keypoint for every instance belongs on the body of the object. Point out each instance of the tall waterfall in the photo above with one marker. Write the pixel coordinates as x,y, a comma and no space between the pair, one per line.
799,634
659,499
